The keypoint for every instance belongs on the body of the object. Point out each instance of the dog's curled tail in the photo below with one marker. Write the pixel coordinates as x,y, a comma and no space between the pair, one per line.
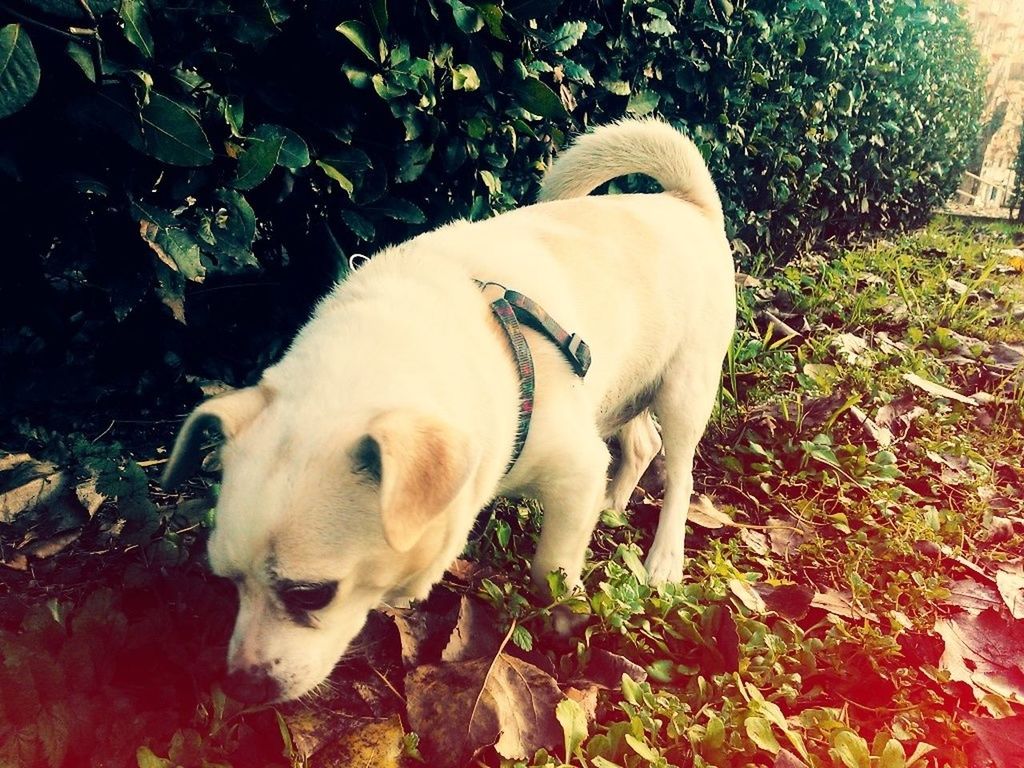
647,146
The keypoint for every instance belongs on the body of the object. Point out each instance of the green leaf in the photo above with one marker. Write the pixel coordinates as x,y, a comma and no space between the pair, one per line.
332,172
172,133
412,160
357,34
19,70
714,733
567,36
536,97
844,103
759,731
631,690
577,72
631,561
72,9
257,161
136,26
361,226
233,109
503,533
233,230
573,719
379,11
893,755
522,638
467,19
851,749
642,748
170,288
616,87
83,58
145,758
642,103
294,151
465,78
492,15
164,129
170,241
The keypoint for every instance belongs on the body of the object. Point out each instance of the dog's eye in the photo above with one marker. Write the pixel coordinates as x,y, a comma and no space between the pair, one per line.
303,598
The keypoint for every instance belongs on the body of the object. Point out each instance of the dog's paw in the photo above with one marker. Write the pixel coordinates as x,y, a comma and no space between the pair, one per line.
664,564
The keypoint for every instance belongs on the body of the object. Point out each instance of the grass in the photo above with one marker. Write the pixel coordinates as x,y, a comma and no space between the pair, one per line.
805,632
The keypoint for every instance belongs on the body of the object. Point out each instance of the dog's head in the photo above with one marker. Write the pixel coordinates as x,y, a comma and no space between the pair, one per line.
318,521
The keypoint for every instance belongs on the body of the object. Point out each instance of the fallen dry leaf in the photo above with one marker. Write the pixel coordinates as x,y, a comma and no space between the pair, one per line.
984,651
956,286
748,596
605,670
425,630
1010,583
324,740
586,698
785,534
850,347
969,595
781,332
791,601
756,541
27,485
413,630
747,281
721,649
461,708
841,604
937,390
888,345
704,513
1007,356
40,549
997,743
900,413
463,570
881,435
998,530
786,759
475,634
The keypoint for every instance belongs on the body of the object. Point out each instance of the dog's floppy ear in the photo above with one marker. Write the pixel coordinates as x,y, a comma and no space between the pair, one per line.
228,413
421,465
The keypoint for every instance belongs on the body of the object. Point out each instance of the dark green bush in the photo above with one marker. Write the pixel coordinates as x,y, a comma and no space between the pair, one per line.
818,118
181,180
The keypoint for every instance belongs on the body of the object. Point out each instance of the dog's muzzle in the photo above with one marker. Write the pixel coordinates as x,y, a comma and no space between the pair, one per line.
252,686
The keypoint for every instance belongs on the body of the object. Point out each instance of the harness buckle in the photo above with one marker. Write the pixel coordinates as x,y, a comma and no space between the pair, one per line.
578,352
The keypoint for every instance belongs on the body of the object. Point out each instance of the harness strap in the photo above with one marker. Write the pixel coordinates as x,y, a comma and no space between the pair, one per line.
532,315
511,309
524,365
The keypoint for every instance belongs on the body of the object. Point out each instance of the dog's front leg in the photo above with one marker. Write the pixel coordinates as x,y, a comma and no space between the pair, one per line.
571,497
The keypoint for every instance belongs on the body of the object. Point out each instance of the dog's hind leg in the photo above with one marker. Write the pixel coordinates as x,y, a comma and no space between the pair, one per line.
639,442
683,406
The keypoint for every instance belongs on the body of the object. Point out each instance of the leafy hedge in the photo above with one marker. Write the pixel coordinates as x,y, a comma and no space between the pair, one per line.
181,180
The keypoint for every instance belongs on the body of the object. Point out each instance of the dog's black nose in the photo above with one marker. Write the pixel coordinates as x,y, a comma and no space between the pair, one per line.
252,686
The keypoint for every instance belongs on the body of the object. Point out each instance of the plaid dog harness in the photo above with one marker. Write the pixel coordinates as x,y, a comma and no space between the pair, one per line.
513,310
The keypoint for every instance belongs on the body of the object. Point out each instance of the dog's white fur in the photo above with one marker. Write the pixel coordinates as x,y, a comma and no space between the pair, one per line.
403,371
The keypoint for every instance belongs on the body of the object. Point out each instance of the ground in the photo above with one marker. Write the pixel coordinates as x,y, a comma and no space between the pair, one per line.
854,591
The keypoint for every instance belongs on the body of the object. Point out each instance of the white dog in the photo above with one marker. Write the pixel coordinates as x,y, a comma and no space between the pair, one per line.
353,472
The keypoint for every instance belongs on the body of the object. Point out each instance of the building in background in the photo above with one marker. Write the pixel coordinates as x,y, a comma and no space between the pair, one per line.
999,30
